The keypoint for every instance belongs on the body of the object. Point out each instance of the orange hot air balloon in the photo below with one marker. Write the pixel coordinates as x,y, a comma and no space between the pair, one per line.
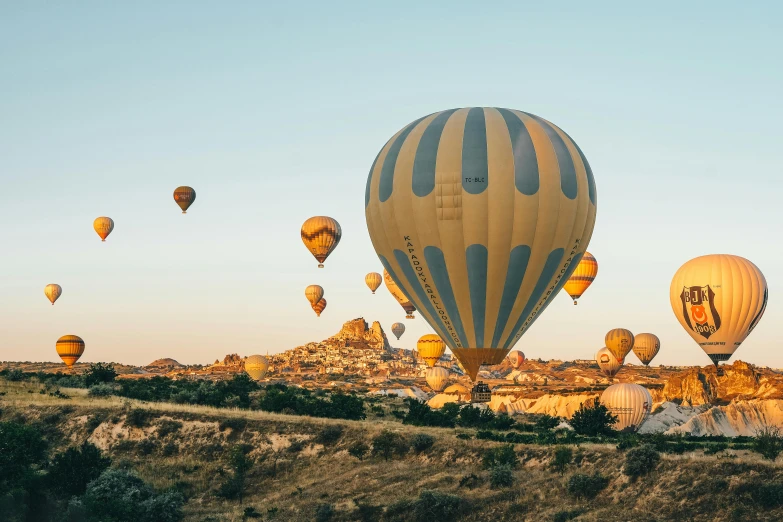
620,342
184,197
319,307
583,277
395,291
373,280
321,235
53,292
103,226
70,348
430,348
314,293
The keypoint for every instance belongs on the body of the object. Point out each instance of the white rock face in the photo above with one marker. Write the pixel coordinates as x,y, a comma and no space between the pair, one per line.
670,415
557,405
738,418
413,391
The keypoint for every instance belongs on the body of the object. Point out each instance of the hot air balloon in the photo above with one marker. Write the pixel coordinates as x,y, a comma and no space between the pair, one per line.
319,307
437,378
645,347
70,348
608,363
373,280
184,197
395,291
256,367
630,403
430,348
480,215
620,342
314,293
719,299
321,234
398,329
53,292
103,226
516,358
583,277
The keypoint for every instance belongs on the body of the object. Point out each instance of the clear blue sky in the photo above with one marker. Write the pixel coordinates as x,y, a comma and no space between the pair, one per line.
274,113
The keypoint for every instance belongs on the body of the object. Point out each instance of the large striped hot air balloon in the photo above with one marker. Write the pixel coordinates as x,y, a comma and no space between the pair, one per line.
645,347
256,367
431,348
373,281
629,402
53,292
321,234
184,197
319,307
619,341
401,298
480,215
718,299
70,348
583,277
103,226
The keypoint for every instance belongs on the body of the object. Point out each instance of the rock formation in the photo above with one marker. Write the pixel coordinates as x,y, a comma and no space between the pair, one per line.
738,418
357,334
699,386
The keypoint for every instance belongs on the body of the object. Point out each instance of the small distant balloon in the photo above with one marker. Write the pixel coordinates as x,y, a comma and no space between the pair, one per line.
314,293
645,347
437,378
103,226
430,347
398,329
516,358
53,292
620,342
395,291
256,367
70,348
184,197
319,307
607,362
583,277
629,402
321,235
373,280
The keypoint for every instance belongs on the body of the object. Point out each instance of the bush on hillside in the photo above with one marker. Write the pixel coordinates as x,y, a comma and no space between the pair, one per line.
329,434
71,471
562,458
640,461
501,477
500,456
387,444
359,450
593,419
101,390
422,442
768,442
586,486
546,422
99,373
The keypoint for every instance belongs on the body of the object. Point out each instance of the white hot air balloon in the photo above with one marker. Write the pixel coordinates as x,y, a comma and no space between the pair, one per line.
646,346
608,363
437,378
629,402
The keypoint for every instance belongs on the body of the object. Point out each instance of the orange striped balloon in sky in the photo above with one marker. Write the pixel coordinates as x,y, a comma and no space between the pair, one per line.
373,281
583,277
103,226
319,307
184,197
70,348
430,347
321,234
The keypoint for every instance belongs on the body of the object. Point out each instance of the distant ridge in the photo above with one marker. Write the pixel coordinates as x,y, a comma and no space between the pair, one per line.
165,363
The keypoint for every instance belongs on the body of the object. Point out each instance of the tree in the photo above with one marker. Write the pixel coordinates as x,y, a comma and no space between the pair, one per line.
768,442
240,464
500,456
99,373
387,444
22,448
358,449
586,486
562,458
640,461
593,419
546,422
118,495
70,472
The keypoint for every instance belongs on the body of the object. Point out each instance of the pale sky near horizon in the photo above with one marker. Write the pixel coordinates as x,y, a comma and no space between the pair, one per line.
274,113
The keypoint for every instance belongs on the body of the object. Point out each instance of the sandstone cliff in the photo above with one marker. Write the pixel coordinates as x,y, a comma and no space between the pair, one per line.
698,386
358,334
738,418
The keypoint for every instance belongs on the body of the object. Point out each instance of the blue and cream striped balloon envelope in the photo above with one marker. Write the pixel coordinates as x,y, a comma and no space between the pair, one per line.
480,215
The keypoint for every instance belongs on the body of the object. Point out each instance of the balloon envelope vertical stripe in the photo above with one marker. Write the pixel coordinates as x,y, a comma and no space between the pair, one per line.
630,403
480,215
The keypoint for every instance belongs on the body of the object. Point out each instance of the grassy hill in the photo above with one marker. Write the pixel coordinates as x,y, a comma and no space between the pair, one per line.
305,468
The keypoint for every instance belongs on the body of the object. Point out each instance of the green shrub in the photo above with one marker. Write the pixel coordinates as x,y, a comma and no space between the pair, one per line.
93,421
565,516
422,442
71,471
470,481
586,486
167,427
137,417
464,436
500,456
236,424
768,442
119,495
387,444
329,435
169,449
713,449
296,446
546,422
146,447
501,477
240,463
562,458
640,461
367,512
359,450
99,373
593,419
627,441
21,449
101,390
250,512
324,512
434,505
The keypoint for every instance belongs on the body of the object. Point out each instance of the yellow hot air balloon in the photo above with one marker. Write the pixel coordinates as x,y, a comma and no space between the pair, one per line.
103,226
630,403
373,280
321,234
645,347
319,307
395,291
620,342
430,347
719,299
516,358
314,293
53,292
480,215
583,277
184,197
437,378
398,329
607,362
70,348
256,367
